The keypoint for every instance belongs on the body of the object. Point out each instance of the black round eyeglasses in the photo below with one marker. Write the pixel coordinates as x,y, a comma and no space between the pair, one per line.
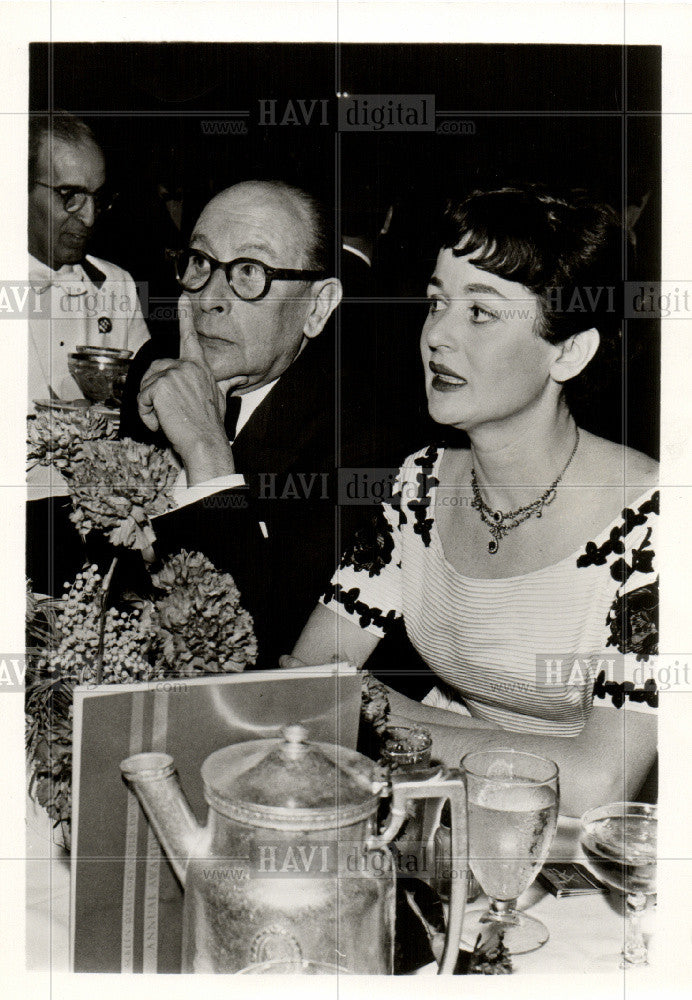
250,279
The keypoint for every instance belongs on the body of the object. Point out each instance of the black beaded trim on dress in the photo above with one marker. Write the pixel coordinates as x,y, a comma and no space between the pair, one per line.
633,616
633,622
366,615
372,545
596,555
420,504
619,693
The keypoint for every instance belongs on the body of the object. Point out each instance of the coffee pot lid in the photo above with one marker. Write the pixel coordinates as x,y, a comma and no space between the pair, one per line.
291,783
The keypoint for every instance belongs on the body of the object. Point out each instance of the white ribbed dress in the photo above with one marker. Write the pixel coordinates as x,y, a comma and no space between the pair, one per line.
532,652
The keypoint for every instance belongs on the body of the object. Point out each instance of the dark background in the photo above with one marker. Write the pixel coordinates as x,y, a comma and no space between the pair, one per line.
585,116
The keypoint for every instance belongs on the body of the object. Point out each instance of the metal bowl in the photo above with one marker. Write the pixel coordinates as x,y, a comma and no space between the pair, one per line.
100,372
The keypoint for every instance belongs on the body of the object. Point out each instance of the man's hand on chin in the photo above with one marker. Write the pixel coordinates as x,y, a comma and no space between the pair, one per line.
181,397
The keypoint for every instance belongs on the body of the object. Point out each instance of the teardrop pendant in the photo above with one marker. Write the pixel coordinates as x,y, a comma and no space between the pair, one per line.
492,546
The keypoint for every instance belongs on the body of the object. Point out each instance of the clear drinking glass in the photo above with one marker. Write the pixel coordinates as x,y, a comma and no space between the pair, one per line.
408,749
447,867
512,808
619,844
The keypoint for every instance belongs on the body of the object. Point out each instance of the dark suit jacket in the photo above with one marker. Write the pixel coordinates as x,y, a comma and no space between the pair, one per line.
281,536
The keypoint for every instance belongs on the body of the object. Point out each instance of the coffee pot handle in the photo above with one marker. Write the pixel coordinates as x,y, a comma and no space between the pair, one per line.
447,783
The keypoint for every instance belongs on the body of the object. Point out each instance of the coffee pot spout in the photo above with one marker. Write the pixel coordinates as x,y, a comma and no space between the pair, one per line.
154,780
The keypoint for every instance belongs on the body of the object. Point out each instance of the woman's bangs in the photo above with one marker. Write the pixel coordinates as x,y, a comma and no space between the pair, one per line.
505,255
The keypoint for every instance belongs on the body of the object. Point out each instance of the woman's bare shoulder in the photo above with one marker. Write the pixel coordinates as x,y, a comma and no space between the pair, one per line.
455,465
613,464
641,469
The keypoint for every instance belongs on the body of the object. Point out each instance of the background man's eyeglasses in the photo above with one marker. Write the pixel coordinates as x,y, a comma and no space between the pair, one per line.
249,279
74,198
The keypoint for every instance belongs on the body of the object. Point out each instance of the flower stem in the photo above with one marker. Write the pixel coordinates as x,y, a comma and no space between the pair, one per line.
103,602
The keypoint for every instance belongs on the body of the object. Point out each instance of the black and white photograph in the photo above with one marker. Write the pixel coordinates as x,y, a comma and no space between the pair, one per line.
347,358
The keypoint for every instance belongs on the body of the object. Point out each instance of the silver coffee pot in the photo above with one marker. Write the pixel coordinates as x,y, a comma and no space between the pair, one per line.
290,866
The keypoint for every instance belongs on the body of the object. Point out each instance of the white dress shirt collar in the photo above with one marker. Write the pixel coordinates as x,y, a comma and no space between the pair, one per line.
249,401
41,276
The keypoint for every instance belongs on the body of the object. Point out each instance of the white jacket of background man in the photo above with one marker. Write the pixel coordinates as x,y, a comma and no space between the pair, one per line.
93,303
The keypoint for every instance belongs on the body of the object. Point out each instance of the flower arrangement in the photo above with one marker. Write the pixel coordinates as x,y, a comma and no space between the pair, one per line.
197,623
189,622
58,439
375,703
143,642
118,486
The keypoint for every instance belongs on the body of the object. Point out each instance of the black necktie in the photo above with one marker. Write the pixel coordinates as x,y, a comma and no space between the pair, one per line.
232,413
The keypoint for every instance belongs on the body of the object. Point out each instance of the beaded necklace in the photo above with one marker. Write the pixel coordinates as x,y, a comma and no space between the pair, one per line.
500,522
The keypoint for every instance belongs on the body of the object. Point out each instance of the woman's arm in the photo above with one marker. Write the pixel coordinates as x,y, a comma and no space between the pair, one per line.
329,637
608,761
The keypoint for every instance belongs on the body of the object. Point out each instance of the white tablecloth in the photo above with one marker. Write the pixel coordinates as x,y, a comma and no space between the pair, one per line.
586,932
47,894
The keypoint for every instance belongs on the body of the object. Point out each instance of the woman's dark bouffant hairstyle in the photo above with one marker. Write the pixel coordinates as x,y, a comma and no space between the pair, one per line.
568,250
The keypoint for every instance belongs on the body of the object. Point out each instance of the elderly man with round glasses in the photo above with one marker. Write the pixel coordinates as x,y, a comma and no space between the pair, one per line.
257,290
78,299
248,401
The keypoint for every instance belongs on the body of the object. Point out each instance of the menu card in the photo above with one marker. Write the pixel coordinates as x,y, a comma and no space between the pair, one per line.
126,913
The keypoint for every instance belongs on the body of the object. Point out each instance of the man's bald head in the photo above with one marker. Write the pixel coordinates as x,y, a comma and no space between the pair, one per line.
311,232
278,227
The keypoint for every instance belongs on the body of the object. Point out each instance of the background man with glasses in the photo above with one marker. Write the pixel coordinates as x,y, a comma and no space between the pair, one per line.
78,299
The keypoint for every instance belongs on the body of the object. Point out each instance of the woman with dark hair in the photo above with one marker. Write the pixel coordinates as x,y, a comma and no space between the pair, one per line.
523,565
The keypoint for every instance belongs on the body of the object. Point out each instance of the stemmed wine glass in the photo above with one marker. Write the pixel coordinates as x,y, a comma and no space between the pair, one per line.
619,843
512,815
